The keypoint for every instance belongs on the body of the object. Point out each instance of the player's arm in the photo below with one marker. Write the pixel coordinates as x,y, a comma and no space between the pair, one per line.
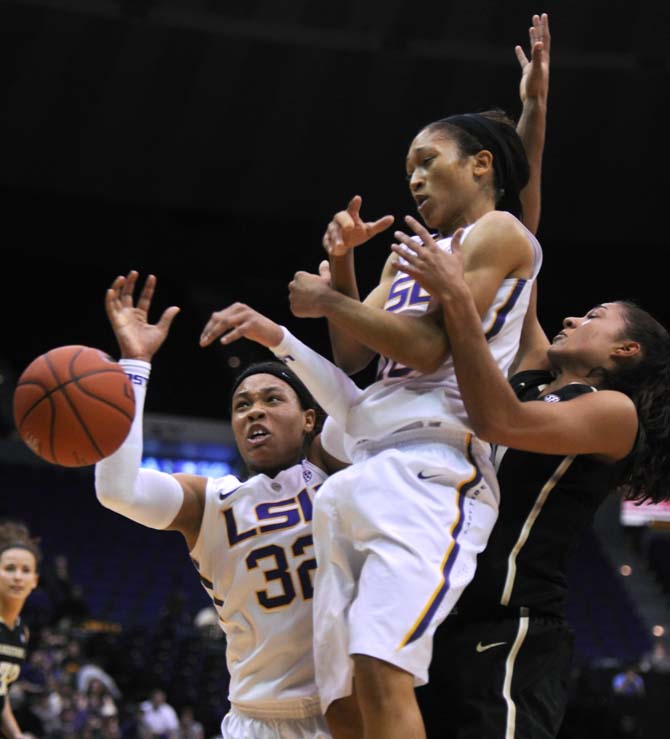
9,725
533,344
154,499
349,353
603,423
344,233
416,342
335,391
534,92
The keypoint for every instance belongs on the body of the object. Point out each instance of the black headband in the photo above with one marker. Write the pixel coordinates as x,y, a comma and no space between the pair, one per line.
283,373
508,176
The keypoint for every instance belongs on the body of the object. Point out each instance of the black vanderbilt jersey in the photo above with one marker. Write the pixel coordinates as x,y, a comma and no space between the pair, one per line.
546,503
13,643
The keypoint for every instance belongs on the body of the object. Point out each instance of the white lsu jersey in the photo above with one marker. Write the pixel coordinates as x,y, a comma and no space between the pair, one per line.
255,559
401,396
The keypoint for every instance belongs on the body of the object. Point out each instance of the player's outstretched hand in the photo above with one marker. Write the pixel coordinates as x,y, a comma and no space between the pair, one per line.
137,338
348,230
436,270
307,292
534,83
239,321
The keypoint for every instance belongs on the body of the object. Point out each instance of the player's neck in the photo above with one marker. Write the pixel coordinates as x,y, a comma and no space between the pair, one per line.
467,217
9,613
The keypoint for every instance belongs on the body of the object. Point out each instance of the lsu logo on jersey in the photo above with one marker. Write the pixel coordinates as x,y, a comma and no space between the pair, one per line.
273,516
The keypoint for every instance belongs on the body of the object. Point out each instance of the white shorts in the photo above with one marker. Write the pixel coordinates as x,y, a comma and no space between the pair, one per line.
236,725
396,537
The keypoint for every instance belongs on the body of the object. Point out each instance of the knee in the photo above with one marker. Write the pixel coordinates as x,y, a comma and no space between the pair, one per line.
344,719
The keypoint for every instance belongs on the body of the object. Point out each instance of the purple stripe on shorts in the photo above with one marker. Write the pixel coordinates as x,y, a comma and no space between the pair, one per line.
448,565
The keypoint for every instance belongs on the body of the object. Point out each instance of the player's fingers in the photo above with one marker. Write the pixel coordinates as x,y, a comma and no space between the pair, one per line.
147,294
128,287
237,332
343,220
537,51
406,253
334,234
381,224
546,34
168,316
324,270
407,240
521,56
419,230
114,291
354,207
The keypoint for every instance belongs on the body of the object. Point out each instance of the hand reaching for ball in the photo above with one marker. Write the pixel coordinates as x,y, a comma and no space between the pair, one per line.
137,338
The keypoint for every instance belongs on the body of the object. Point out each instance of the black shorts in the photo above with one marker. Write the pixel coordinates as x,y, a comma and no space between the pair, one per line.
504,678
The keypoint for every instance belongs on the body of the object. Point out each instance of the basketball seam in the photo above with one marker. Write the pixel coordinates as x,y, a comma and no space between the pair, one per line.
49,393
73,407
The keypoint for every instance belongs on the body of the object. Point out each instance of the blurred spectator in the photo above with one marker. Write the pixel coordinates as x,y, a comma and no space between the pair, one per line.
628,683
206,622
66,597
159,718
189,728
629,688
91,672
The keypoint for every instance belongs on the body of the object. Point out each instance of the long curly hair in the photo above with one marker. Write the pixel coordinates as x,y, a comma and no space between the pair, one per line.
646,380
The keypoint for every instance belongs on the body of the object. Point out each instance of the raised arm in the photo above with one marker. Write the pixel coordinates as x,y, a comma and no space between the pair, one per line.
534,92
154,499
344,233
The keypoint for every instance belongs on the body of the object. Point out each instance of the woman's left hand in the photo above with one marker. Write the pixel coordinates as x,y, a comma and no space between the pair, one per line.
437,271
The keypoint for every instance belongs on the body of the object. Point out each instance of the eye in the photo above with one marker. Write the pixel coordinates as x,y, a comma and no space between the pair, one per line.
426,161
241,405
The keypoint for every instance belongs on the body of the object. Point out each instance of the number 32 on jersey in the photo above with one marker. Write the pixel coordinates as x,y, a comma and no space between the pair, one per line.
283,567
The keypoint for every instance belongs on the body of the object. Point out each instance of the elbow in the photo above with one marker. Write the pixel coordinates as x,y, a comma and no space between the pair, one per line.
429,361
488,430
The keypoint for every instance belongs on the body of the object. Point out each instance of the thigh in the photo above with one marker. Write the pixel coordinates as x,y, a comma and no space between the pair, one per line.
420,531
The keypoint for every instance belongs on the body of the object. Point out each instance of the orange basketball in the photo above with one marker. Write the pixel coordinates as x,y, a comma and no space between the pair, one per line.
74,406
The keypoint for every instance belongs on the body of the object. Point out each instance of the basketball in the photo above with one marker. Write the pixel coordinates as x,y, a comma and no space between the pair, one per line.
73,406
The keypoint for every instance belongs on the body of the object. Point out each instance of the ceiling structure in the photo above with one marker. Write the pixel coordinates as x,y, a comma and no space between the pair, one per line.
209,142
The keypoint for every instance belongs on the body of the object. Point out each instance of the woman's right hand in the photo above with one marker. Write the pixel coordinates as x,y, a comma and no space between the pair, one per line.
348,230
137,338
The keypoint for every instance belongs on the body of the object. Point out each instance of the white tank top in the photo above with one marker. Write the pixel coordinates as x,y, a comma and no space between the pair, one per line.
401,396
255,559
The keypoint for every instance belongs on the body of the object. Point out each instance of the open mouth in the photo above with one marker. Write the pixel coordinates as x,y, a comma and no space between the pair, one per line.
257,435
421,201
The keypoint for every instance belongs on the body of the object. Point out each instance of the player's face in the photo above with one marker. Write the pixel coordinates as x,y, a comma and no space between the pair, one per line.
440,180
18,574
269,423
591,340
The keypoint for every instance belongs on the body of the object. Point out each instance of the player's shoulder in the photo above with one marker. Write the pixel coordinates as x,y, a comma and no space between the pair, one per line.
502,224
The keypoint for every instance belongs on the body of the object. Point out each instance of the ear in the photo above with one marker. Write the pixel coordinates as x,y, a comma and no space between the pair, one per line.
627,349
310,420
482,163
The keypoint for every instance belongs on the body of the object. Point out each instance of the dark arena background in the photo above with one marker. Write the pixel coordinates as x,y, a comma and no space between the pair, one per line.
209,143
